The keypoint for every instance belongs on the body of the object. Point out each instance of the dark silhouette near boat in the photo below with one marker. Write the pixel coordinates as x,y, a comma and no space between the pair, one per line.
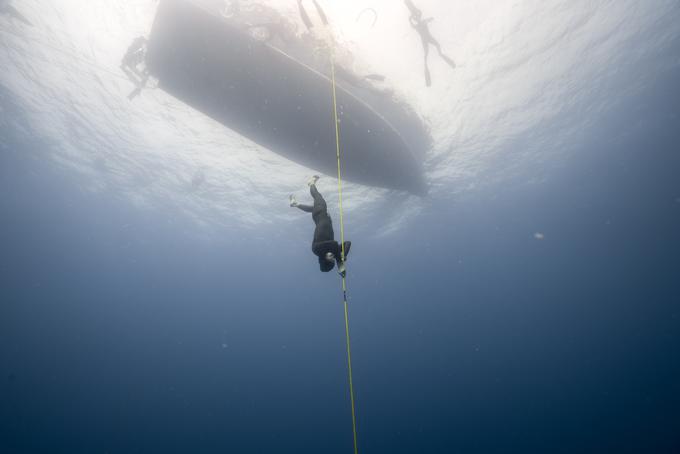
133,66
420,25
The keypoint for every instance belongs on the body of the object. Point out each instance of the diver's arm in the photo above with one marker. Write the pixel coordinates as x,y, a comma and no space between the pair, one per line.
305,208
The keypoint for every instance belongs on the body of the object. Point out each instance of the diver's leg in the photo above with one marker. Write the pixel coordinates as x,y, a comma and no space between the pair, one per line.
137,78
294,204
319,202
426,51
134,78
426,46
134,93
143,75
448,60
428,79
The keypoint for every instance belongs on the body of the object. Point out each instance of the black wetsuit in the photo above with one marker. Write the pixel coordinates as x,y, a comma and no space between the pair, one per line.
324,238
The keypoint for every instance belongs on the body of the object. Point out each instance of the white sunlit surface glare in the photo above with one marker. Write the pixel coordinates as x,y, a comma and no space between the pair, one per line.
532,79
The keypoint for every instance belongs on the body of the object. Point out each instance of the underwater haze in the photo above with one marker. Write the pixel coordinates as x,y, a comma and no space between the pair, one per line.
159,295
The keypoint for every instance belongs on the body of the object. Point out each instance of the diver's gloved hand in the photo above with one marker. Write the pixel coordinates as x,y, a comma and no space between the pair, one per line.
293,201
342,269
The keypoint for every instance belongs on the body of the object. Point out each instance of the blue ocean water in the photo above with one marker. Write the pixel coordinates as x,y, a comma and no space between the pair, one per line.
520,316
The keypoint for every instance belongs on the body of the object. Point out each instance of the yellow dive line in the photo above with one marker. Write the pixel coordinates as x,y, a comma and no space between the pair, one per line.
342,246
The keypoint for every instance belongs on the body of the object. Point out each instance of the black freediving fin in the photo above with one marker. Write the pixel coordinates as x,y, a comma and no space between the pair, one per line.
304,16
322,15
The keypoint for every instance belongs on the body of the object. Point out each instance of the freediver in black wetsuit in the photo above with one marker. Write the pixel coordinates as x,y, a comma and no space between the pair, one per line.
420,25
324,245
130,64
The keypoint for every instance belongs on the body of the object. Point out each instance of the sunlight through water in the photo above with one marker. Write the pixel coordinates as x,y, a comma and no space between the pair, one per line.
532,79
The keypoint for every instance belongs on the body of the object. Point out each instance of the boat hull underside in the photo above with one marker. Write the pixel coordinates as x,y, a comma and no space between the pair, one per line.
274,100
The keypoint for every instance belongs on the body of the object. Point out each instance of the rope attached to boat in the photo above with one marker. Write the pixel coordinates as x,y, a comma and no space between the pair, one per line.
342,256
308,23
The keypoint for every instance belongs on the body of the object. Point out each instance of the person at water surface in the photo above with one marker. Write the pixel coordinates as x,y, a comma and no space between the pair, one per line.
420,25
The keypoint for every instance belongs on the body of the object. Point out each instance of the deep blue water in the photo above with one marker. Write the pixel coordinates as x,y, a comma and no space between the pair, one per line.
122,330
